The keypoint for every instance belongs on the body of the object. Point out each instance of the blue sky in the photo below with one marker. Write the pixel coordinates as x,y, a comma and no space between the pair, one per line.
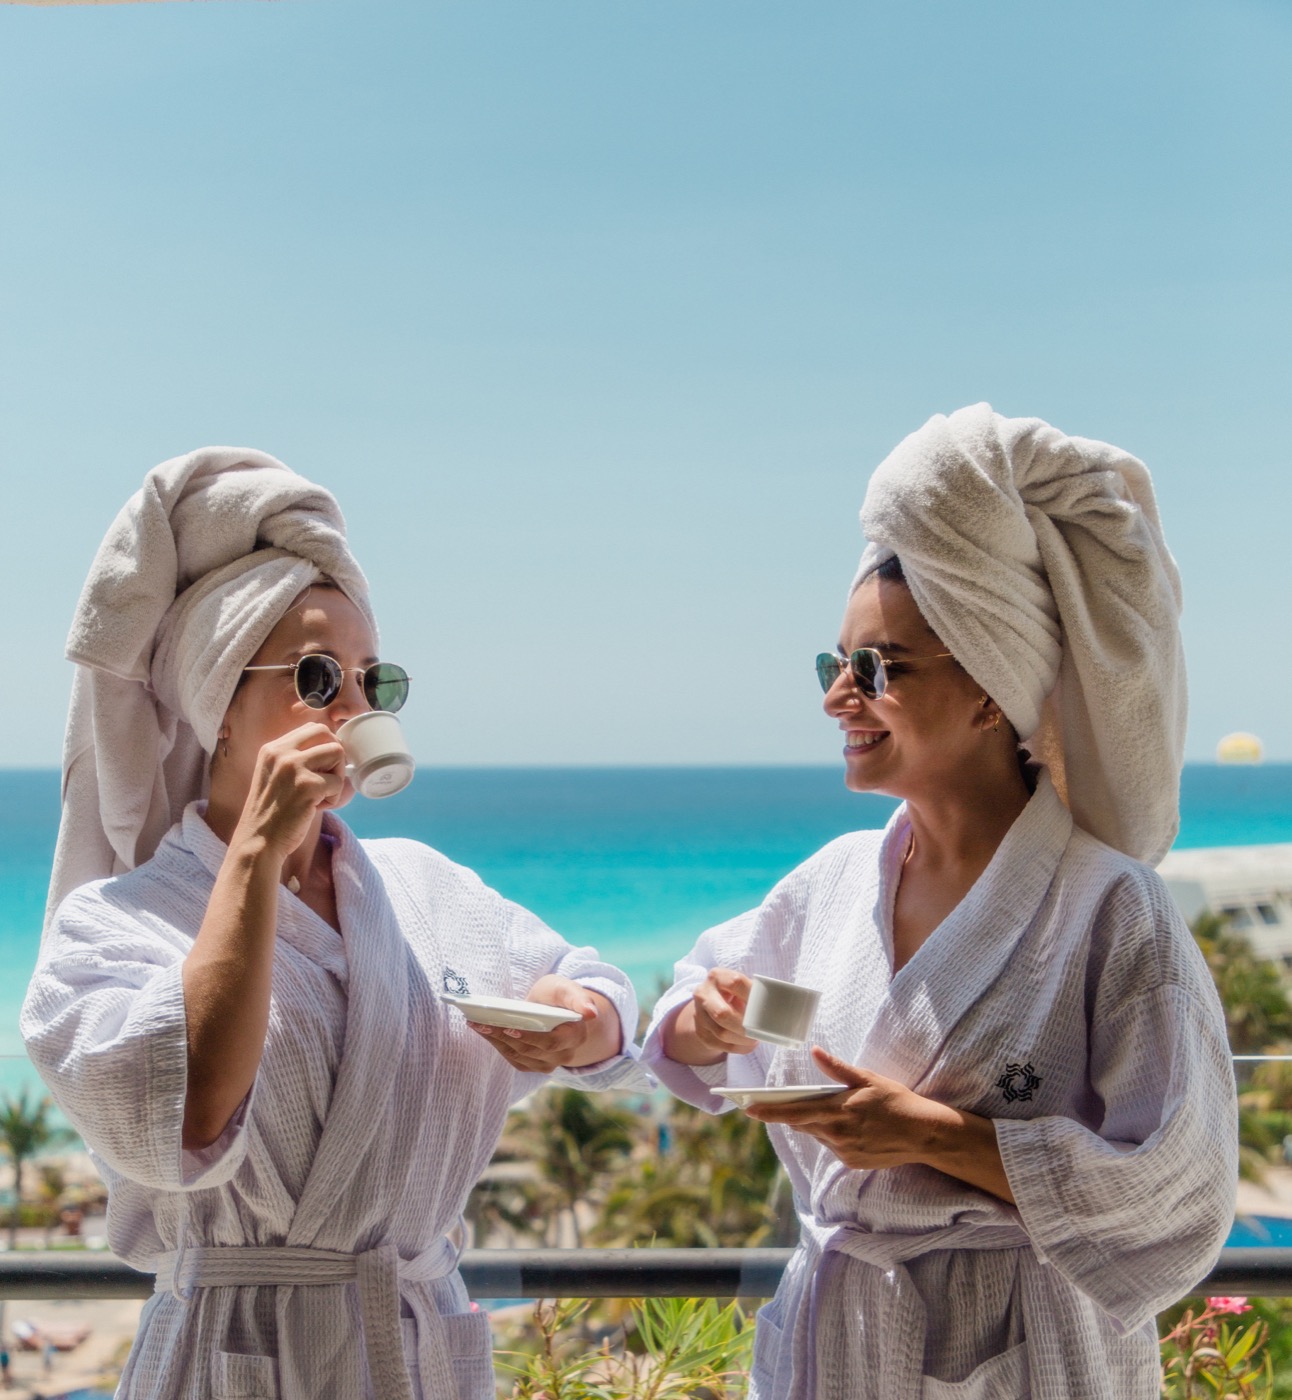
596,314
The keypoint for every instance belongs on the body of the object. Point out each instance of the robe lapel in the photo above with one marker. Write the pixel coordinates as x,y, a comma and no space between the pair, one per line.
375,1038
303,932
970,950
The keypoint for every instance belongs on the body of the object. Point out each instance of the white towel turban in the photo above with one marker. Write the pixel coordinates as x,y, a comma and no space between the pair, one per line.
195,572
1039,561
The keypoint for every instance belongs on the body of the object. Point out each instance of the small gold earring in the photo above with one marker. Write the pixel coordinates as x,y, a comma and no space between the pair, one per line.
224,746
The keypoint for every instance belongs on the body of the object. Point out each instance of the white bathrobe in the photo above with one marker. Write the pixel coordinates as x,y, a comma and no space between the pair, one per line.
372,1115
1065,999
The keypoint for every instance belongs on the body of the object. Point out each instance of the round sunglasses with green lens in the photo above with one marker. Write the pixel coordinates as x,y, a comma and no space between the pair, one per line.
319,679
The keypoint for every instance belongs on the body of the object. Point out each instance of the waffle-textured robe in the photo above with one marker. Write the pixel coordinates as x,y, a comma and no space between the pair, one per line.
373,1113
1065,999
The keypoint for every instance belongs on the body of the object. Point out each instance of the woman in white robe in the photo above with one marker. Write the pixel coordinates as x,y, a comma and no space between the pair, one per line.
247,1027
1035,1147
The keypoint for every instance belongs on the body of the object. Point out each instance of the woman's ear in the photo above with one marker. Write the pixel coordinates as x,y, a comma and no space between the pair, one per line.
990,715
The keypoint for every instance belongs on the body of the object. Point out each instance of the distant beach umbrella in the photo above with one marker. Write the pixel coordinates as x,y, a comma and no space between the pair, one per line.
1239,748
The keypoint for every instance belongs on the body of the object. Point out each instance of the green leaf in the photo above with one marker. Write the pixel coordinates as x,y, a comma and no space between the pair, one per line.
1246,1341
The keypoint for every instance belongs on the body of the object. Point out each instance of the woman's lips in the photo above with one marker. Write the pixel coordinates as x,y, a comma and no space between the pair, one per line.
863,740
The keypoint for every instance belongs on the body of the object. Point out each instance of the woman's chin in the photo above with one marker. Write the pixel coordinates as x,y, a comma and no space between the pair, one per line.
865,775
861,773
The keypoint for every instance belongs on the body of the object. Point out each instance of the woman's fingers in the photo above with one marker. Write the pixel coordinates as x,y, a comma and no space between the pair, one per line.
800,1115
534,1051
720,1011
311,749
840,1069
555,990
296,773
544,1051
871,1122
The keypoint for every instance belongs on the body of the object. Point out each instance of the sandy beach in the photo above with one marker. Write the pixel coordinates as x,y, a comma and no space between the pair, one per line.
1273,1196
96,1362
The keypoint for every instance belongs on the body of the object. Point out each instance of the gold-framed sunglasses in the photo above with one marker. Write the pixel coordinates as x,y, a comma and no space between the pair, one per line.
868,668
319,679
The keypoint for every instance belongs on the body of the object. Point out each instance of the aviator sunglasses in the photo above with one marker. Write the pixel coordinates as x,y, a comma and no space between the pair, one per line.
868,667
319,679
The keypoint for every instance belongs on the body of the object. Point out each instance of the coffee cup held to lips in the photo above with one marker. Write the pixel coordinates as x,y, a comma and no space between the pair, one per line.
377,760
779,1013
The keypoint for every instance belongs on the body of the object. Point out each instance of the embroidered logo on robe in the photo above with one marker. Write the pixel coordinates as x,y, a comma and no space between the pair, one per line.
455,984
1018,1082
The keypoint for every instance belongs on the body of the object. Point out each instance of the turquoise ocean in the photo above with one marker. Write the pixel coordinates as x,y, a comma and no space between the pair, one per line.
634,860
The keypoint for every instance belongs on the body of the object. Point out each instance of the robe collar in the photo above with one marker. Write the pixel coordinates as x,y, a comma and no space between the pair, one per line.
298,924
971,948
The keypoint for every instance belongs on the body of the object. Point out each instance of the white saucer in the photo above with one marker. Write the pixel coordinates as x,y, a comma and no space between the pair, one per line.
515,1015
779,1093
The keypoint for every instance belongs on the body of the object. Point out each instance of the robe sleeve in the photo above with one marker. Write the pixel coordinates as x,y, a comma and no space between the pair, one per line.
765,940
536,951
1135,1214
727,945
104,1024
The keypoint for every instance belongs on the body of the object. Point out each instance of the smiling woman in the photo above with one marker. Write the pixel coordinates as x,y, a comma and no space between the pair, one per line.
1032,1145
238,1004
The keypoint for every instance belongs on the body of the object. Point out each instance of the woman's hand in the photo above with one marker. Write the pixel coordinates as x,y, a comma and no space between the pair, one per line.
294,776
598,1036
874,1122
228,972
712,1024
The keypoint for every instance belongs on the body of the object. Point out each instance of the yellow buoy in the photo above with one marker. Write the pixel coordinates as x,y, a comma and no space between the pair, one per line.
1239,748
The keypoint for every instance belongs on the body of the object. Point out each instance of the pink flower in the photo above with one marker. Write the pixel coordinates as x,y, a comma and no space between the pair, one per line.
1228,1305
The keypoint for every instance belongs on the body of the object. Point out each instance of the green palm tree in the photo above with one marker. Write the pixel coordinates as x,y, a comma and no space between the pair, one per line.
718,1184
1252,990
25,1131
574,1141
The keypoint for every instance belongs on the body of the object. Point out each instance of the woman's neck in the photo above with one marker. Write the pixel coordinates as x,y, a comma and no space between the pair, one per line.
309,864
962,826
955,832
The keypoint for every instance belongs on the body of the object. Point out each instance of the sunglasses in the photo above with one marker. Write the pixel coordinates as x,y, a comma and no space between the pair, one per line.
868,668
319,679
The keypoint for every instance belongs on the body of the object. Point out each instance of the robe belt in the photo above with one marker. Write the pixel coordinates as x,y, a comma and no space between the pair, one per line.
378,1272
890,1253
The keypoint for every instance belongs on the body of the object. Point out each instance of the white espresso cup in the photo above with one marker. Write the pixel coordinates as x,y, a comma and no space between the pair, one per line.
779,1012
377,760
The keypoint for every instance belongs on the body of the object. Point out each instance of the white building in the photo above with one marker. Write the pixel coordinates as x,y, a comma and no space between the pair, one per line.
1250,885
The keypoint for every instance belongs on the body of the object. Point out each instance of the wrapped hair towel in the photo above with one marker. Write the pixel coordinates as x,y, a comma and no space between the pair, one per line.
195,572
1039,561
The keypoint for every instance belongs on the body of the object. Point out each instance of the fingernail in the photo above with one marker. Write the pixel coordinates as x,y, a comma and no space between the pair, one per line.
515,1035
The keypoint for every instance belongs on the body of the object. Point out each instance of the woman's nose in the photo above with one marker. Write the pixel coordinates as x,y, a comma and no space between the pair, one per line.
842,697
350,699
